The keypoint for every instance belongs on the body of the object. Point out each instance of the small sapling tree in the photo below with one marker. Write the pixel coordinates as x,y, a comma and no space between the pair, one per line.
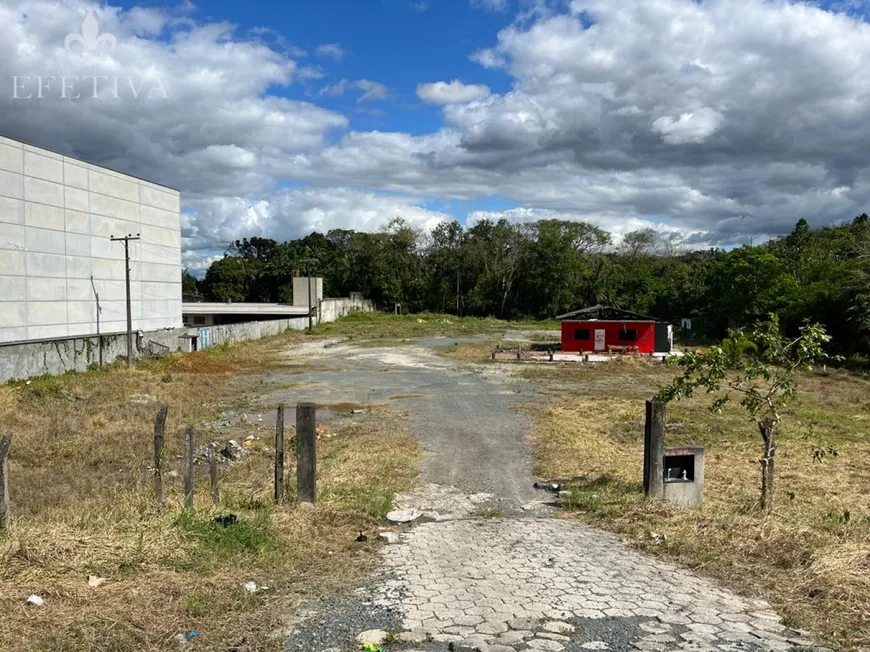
762,371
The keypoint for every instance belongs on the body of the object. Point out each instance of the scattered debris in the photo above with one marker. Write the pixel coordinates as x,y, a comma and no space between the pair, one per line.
251,587
552,487
372,637
35,600
389,537
369,647
141,399
226,520
95,582
233,451
362,538
403,515
357,411
657,538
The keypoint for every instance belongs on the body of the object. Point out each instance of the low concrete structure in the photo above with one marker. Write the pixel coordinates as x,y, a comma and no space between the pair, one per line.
27,359
217,314
307,291
684,476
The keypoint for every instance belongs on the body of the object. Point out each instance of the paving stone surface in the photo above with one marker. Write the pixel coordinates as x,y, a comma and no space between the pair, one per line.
458,579
543,583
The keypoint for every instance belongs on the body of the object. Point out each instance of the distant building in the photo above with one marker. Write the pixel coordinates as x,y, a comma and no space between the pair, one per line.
307,299
603,329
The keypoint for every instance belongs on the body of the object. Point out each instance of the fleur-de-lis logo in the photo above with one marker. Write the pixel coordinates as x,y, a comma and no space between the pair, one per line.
90,36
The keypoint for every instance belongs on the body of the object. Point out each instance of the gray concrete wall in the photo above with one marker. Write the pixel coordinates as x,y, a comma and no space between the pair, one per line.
56,217
333,309
24,360
301,289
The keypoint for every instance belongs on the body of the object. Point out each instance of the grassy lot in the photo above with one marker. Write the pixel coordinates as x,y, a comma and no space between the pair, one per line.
82,505
366,326
811,557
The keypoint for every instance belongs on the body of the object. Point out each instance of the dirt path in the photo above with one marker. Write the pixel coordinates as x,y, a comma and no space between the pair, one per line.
489,566
443,399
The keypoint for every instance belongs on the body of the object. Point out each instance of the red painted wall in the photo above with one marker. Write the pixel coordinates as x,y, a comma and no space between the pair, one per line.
645,335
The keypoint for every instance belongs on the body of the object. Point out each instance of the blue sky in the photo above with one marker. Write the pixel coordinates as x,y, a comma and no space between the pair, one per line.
718,121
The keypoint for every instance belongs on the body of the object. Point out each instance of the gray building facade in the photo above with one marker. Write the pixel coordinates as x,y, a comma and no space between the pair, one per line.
61,276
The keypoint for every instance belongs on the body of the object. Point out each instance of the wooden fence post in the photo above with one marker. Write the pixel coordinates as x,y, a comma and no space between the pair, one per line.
654,449
5,444
306,452
188,468
279,456
213,476
159,435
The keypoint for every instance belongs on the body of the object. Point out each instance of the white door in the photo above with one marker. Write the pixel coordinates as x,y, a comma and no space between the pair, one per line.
599,339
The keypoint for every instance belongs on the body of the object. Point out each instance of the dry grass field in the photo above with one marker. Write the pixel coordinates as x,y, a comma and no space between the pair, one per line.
82,505
810,558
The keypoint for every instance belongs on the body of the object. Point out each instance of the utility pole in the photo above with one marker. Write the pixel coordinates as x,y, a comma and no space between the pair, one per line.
126,240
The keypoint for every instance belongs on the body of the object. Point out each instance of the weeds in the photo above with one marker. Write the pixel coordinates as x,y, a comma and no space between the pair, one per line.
811,557
82,504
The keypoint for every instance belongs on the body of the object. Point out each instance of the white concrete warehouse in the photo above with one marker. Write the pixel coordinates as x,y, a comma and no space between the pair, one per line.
60,274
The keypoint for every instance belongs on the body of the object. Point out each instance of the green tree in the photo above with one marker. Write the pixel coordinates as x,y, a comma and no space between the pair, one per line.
189,285
760,366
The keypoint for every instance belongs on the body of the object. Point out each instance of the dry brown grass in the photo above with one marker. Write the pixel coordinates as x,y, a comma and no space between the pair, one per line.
811,557
82,505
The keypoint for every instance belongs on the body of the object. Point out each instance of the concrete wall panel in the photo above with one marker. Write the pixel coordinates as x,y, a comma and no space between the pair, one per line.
13,288
43,167
113,186
11,210
11,159
43,216
46,265
11,184
77,222
76,199
43,192
56,218
78,267
114,207
46,241
75,175
12,314
11,236
47,289
46,313
11,263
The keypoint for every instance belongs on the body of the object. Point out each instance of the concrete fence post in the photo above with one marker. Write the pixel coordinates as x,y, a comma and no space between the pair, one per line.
654,449
306,453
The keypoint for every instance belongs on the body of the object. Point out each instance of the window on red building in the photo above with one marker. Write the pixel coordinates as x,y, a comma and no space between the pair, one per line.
628,335
581,334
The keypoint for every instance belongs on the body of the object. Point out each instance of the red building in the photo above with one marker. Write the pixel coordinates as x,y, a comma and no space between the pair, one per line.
602,329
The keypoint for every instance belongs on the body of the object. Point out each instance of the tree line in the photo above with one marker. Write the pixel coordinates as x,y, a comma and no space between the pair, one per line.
545,268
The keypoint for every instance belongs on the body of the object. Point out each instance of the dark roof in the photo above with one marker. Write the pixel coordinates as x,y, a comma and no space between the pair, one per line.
606,312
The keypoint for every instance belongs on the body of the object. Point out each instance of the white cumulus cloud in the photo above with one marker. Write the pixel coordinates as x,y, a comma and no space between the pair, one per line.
453,92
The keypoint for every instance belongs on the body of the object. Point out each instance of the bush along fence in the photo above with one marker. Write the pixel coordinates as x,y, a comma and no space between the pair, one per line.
306,462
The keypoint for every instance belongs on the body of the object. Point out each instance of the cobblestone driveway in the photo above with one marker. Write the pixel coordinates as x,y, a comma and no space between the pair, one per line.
526,580
540,583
